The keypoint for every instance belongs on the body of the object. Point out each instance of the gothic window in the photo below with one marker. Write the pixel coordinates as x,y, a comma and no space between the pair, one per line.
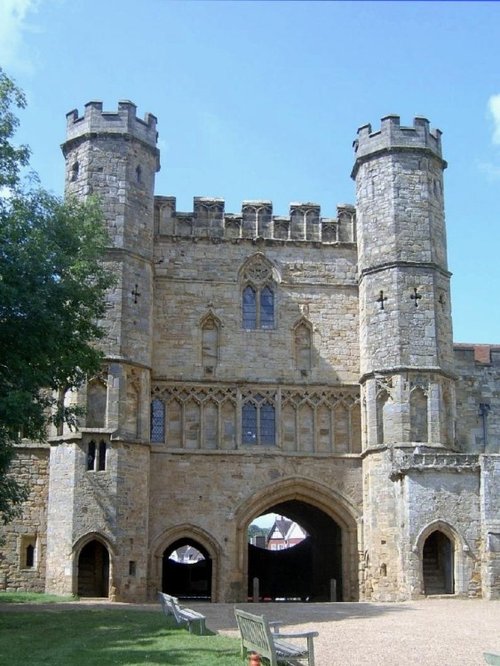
249,308
266,308
138,174
101,461
258,423
157,420
131,420
91,451
302,341
249,424
381,405
209,344
75,168
28,552
30,556
258,293
96,456
96,403
418,416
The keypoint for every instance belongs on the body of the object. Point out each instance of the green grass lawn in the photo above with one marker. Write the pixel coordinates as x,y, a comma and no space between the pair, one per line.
100,637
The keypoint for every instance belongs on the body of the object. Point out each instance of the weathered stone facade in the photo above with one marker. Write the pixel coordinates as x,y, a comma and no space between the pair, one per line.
257,363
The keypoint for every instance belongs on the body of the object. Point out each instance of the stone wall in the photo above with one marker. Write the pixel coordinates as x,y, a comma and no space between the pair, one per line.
212,493
315,284
18,571
478,397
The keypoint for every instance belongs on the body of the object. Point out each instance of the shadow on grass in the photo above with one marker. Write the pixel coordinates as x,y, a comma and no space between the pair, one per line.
107,637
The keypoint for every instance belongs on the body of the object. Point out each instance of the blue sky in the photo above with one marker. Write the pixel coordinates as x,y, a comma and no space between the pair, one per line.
262,100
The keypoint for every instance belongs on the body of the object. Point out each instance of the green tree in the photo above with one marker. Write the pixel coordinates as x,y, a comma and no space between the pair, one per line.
52,295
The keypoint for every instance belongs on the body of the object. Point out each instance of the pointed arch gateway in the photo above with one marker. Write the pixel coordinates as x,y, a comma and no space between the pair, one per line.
185,563
330,553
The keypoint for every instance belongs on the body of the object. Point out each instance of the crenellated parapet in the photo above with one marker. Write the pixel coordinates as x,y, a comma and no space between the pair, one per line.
394,137
256,220
123,122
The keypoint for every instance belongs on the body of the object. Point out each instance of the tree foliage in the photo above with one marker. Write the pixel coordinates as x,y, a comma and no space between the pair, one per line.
52,295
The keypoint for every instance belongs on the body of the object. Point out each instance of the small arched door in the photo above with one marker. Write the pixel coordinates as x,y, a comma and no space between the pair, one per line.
93,570
187,570
438,564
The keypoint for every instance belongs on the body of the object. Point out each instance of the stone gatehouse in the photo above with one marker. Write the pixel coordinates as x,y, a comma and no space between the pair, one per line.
255,363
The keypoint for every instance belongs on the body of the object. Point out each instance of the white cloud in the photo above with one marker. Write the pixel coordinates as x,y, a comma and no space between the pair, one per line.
494,109
13,25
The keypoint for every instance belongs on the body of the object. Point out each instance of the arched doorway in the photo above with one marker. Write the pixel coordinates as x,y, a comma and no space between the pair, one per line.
310,570
438,564
187,570
93,570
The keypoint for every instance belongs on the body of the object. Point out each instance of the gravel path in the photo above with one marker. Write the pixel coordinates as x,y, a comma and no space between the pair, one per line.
440,632
431,632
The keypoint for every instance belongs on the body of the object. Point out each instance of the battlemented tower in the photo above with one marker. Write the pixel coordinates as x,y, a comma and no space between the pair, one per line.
111,156
405,321
258,363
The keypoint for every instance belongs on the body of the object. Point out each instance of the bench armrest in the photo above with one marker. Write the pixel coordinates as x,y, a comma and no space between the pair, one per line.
275,626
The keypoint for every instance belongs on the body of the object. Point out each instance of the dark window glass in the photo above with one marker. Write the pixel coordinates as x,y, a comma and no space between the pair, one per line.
249,308
102,456
267,424
157,421
91,456
249,424
30,556
266,308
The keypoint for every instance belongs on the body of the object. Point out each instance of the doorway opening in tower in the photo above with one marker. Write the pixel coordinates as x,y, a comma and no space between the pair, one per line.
307,568
438,564
187,570
93,570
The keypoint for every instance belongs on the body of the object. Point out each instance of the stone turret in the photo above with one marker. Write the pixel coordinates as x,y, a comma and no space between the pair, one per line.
405,316
106,463
405,327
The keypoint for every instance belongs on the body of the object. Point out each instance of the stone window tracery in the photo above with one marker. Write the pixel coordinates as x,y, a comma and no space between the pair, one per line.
205,417
258,421
258,294
157,420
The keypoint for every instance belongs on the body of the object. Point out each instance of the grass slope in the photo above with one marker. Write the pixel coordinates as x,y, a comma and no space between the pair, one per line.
101,637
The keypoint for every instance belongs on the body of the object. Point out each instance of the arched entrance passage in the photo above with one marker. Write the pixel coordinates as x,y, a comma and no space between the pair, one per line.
187,570
438,564
329,552
306,571
93,570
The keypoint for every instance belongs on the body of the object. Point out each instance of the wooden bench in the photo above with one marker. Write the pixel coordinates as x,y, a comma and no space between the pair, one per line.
492,658
183,616
256,636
